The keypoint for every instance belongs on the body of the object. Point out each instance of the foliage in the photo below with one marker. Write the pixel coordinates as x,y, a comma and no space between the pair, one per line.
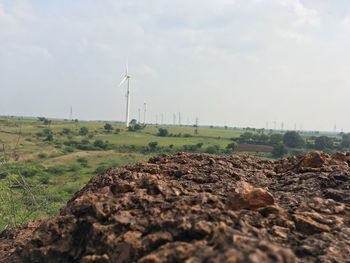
345,142
324,142
134,126
275,138
279,150
231,146
152,145
101,144
162,132
83,131
293,139
66,131
108,127
213,149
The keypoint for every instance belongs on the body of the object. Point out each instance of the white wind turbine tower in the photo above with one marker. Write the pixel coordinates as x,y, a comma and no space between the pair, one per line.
127,78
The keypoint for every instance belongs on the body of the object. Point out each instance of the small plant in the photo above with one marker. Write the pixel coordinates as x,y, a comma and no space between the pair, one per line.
83,131
152,145
108,127
42,155
162,132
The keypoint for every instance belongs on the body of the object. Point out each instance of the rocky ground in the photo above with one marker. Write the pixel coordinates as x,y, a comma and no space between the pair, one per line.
199,208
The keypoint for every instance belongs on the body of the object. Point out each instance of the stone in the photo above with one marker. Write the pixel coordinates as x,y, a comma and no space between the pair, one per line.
245,196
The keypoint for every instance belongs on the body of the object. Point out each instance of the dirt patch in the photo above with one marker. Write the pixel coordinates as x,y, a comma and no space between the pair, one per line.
254,148
201,208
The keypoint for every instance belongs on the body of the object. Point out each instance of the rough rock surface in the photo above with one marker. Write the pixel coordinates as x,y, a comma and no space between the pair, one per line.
200,208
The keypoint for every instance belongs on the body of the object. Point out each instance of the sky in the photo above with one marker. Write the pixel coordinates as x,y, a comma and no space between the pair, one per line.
228,62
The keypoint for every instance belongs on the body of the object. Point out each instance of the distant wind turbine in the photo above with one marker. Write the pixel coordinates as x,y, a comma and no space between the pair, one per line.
127,78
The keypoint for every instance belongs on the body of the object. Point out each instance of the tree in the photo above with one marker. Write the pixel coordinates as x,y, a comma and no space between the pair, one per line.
345,142
293,139
231,146
324,142
108,127
83,131
134,126
275,138
279,150
163,132
246,137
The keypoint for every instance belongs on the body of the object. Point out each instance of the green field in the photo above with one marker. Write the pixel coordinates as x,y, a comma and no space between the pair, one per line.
42,164
39,176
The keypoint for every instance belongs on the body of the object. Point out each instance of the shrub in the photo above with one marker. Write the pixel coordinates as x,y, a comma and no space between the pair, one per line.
152,145
68,149
213,149
275,138
73,168
56,170
66,131
134,126
42,155
101,144
162,132
83,161
108,127
199,145
231,147
279,150
324,142
83,131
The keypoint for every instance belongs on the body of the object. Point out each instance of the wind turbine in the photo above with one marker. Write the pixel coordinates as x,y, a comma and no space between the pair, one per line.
127,78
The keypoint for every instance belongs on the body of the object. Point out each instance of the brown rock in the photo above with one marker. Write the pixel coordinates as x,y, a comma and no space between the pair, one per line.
245,196
314,160
309,226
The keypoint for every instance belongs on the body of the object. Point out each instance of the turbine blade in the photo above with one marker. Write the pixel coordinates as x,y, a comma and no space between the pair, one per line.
127,66
121,83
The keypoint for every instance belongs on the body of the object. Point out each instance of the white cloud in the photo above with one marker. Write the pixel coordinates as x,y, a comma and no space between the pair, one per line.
184,56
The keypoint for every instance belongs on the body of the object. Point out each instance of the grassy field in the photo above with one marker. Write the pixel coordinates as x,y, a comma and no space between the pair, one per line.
38,176
42,164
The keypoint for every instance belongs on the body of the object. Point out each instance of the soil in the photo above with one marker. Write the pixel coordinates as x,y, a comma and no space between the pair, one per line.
199,208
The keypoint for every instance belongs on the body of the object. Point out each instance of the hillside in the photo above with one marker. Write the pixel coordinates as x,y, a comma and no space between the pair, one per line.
199,208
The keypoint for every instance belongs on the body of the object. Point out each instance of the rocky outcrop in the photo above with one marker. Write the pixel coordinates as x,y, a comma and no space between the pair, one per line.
200,208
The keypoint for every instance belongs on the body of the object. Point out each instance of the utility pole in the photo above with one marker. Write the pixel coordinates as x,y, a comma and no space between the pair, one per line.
196,126
179,118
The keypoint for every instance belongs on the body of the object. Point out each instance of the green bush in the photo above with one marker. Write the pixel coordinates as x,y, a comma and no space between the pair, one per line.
293,139
68,149
152,145
42,155
279,150
162,132
231,147
101,144
213,149
56,170
83,131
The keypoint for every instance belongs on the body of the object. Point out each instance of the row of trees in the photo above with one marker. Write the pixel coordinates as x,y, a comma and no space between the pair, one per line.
292,139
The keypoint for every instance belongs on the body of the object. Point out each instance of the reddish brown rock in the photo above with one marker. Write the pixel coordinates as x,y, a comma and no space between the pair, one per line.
314,160
199,208
309,226
245,196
